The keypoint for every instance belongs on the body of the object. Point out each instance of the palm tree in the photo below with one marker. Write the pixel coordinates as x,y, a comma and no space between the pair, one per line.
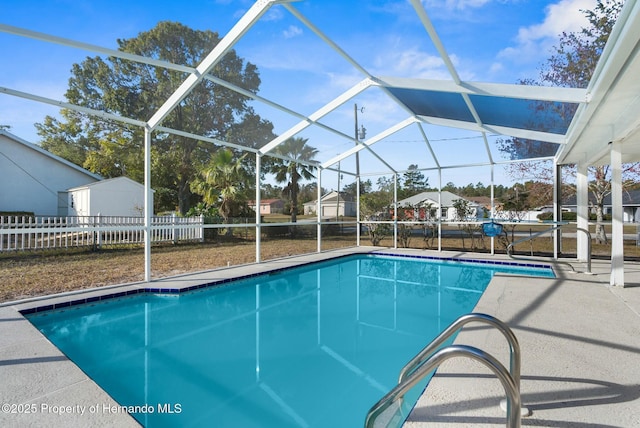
224,181
291,171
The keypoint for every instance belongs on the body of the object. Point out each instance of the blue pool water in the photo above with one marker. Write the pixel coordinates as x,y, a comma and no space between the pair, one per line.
314,346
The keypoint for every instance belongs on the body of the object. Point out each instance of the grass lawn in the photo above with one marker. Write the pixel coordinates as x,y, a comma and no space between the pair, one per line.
36,273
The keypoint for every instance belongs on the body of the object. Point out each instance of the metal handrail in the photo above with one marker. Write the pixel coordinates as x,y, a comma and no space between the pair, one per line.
535,235
428,351
514,346
508,383
588,247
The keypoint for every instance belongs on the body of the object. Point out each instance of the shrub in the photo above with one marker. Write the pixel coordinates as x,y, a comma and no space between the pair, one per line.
330,230
16,214
275,231
570,216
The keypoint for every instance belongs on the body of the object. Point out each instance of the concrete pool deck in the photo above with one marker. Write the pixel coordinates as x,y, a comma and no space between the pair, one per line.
580,341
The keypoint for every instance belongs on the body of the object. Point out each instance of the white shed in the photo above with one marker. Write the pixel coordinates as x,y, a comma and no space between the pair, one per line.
118,196
34,180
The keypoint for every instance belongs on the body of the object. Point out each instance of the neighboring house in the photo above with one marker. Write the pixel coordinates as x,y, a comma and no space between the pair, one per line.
630,205
333,205
118,196
268,206
419,203
484,202
35,180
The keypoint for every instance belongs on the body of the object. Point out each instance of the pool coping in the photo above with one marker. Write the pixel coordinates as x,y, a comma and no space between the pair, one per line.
178,284
66,381
169,285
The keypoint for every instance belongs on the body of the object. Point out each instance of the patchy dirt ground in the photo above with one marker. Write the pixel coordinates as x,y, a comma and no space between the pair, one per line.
32,274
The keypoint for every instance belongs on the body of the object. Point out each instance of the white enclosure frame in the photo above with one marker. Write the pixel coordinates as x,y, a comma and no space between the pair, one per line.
605,128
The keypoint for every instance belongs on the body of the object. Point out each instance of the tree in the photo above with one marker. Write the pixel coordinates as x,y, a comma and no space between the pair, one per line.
450,187
351,190
413,182
571,65
269,191
223,182
404,214
308,192
292,171
114,156
385,184
515,204
429,224
375,207
600,188
136,90
464,212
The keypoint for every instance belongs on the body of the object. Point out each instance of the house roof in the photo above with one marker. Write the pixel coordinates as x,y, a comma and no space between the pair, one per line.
447,199
265,201
48,154
331,197
107,181
629,197
485,201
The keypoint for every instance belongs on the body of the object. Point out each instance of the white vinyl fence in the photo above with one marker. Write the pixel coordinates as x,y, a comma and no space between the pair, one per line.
29,233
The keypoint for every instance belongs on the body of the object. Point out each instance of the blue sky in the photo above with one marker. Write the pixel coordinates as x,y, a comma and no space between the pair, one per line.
488,40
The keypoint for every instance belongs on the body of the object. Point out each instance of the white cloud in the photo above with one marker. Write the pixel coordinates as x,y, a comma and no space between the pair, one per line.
463,4
416,62
380,112
334,83
294,56
566,16
410,62
273,14
344,81
454,4
496,67
292,31
536,40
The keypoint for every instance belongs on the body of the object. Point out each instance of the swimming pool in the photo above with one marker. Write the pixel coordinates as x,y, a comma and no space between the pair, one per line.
313,346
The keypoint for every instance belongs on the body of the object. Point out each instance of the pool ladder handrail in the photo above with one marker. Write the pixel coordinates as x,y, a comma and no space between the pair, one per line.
427,360
535,235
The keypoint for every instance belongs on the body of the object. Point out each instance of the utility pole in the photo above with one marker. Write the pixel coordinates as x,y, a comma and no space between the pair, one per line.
360,134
